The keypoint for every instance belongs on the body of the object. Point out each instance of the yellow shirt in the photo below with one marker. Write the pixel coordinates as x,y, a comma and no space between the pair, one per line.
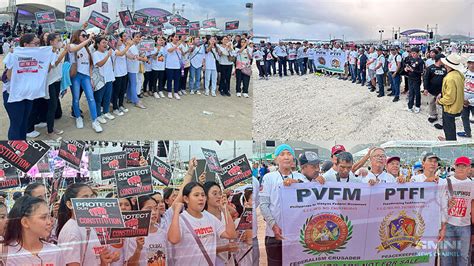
453,92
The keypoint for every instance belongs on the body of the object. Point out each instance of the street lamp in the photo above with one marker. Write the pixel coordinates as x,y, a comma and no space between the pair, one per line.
381,32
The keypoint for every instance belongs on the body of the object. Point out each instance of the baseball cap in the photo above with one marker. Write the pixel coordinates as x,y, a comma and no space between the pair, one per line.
393,158
430,155
283,147
439,56
462,160
471,59
417,166
309,157
415,49
380,48
337,148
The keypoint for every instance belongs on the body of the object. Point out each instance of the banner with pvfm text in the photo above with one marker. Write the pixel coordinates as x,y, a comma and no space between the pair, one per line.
356,224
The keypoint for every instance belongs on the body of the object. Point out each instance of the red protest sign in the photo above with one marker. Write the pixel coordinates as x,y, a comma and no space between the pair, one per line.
99,20
73,14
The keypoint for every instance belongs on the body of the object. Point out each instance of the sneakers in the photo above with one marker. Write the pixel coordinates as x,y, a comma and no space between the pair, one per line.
432,119
170,95
198,92
438,126
191,93
176,96
396,99
41,125
239,94
464,135
206,93
140,105
79,122
96,126
410,110
417,110
109,116
33,134
101,120
245,95
180,93
183,92
123,109
162,95
156,95
118,112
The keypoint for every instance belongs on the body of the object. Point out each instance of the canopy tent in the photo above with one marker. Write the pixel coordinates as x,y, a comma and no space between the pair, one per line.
413,32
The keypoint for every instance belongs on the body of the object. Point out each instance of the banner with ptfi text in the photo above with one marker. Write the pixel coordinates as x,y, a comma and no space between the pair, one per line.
356,224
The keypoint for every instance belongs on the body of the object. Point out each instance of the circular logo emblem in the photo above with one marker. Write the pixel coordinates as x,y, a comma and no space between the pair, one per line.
326,232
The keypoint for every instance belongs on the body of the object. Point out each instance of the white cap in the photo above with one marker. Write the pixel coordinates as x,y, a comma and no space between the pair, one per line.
471,59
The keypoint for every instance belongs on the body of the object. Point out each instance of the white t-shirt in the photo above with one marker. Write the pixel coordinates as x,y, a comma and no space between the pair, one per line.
210,59
469,87
120,63
373,56
82,58
29,72
56,72
381,61
173,59
72,240
147,66
185,48
393,61
155,249
255,203
418,178
330,176
208,228
132,64
159,63
106,70
50,255
352,57
197,56
121,261
271,183
463,194
224,58
384,177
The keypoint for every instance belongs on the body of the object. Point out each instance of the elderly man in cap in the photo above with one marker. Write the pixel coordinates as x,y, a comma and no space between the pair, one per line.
309,162
270,200
456,214
393,166
334,151
452,95
468,98
378,160
430,165
379,72
414,68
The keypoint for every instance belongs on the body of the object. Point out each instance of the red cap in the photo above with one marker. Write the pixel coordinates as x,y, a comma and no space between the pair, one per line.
463,160
396,158
337,148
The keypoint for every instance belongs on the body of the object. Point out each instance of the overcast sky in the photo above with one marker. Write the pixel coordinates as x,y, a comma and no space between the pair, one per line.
359,19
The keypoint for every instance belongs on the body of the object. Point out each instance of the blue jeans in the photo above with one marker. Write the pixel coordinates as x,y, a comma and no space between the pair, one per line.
352,69
210,80
380,84
172,78
194,78
301,66
132,88
362,75
394,83
18,112
102,98
456,246
268,66
281,66
84,81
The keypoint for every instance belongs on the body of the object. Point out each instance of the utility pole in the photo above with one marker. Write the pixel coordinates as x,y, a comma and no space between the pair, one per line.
381,34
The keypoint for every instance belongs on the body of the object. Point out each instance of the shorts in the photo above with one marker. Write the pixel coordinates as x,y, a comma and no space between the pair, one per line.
371,73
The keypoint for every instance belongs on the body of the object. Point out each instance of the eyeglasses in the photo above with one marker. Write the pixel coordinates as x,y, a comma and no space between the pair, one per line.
380,156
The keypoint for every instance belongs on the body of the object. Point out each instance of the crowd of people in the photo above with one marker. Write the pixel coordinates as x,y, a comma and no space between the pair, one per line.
444,80
173,67
194,224
374,168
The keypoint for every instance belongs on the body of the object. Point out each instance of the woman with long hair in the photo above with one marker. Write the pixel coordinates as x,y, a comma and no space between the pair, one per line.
79,50
29,223
37,190
184,47
161,202
225,51
243,57
133,65
81,246
158,68
120,71
174,67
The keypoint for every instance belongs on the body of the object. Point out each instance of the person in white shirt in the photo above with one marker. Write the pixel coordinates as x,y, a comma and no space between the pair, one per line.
344,162
270,201
186,51
255,205
120,71
103,60
353,62
29,223
430,166
197,53
394,66
378,160
225,51
379,71
174,66
281,53
210,68
158,68
6,47
456,215
468,107
393,166
293,67
133,66
243,57
371,63
331,173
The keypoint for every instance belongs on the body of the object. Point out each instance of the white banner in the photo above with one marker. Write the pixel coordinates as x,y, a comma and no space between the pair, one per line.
356,224
330,61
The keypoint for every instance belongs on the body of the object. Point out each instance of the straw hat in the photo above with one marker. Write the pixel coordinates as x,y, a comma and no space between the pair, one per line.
453,61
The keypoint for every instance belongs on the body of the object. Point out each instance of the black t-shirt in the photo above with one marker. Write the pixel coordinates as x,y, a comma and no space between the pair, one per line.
433,79
417,64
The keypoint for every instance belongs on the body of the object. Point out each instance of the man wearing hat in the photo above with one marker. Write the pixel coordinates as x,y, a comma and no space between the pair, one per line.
393,166
468,98
331,173
378,160
456,213
379,70
432,83
452,92
270,200
394,67
429,165
309,162
414,68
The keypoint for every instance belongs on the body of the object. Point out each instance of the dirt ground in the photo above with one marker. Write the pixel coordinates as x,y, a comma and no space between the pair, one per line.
194,117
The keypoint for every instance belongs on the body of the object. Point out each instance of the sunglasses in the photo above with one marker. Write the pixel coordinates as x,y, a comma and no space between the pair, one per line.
85,35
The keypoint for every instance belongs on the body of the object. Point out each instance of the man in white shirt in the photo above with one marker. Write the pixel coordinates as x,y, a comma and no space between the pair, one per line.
352,63
430,165
393,166
456,215
378,160
371,63
379,71
344,162
331,173
309,163
281,53
270,200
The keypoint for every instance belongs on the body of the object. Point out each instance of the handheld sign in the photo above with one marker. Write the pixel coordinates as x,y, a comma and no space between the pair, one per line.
98,212
105,7
126,18
136,154
232,25
73,14
89,2
163,19
137,224
194,25
161,171
133,181
209,23
245,222
71,151
212,160
23,154
99,20
45,17
8,175
57,180
109,162
235,171
182,30
103,234
43,165
113,45
154,21
140,19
